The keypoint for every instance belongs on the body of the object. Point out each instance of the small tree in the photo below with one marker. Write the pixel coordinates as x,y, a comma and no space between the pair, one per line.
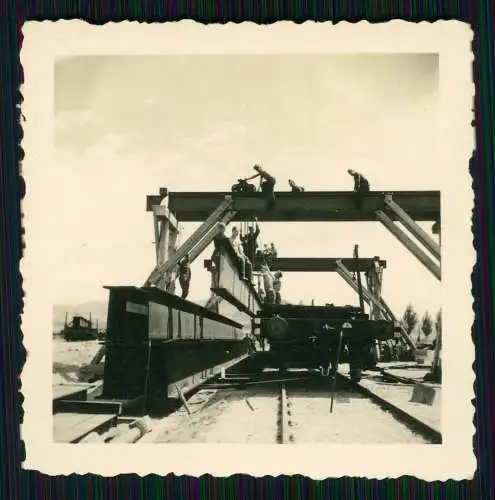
410,319
426,325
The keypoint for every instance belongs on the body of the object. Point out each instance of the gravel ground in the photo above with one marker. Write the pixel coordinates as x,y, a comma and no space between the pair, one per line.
251,416
354,420
400,396
244,416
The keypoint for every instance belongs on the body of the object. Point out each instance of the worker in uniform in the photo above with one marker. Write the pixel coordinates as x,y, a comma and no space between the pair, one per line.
361,186
262,295
268,284
277,285
294,187
267,185
243,260
249,242
273,252
217,240
184,275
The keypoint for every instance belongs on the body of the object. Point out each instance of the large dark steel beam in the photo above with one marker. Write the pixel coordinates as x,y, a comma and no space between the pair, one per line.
156,340
323,264
307,206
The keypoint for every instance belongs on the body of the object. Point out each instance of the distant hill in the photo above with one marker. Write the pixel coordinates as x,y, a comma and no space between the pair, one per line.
99,311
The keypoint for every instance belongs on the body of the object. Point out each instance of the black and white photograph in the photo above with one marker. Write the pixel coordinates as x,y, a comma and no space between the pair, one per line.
234,238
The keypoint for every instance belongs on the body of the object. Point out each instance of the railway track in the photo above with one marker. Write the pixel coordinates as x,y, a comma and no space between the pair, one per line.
285,421
249,406
292,410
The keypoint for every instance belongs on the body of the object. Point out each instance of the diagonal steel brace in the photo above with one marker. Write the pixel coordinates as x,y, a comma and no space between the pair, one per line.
380,304
409,244
415,229
191,242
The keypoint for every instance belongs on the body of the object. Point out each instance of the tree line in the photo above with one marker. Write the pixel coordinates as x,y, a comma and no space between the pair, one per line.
427,323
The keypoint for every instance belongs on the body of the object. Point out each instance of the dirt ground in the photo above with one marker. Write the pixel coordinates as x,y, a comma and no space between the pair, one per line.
252,416
354,420
68,357
244,416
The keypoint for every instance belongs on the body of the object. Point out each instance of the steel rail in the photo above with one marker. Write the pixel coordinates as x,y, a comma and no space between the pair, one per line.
401,415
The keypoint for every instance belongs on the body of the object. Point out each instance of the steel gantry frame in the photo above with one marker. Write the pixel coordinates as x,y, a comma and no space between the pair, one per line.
405,207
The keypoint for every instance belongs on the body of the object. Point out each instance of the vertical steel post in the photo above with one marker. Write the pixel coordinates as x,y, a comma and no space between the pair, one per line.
336,369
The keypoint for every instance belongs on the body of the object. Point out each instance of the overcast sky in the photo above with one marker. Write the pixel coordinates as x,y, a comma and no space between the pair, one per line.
127,125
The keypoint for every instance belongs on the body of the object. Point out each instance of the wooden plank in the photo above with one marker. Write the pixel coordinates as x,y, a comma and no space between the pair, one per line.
69,392
71,427
91,407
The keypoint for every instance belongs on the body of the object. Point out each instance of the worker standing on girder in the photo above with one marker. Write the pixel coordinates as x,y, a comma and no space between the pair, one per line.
250,241
244,261
361,186
267,185
273,252
184,275
294,187
277,286
217,240
268,284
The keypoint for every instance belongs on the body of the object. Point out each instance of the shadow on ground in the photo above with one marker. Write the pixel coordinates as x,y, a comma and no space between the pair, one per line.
69,372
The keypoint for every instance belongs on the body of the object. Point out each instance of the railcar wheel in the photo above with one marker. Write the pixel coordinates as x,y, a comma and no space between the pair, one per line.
277,328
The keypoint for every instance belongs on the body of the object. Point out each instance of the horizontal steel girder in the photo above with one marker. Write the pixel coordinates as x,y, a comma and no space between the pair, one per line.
155,338
143,314
324,264
306,206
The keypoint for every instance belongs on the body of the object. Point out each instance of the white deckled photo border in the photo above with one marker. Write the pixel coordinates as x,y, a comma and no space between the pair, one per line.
454,459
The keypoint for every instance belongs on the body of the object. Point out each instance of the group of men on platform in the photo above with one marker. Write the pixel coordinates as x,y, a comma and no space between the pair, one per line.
250,258
246,246
267,186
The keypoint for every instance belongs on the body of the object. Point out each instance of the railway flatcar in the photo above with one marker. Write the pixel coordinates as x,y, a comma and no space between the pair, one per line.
320,337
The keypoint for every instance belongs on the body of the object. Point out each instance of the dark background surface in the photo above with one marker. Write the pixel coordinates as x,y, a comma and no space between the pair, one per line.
18,484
